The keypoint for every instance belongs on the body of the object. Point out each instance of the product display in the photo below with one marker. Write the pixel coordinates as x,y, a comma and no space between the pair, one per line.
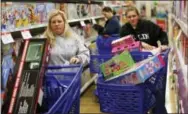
139,70
23,15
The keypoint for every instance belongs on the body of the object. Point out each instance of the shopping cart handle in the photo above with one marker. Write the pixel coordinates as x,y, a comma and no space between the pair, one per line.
165,52
63,66
59,73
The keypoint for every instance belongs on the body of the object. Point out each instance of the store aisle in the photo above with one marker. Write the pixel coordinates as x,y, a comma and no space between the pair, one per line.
88,102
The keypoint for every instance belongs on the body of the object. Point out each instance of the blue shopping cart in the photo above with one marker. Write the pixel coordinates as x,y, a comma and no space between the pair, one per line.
128,99
62,89
104,43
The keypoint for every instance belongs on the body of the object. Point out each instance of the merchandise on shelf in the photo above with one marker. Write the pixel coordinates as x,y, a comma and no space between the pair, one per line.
117,65
23,15
64,7
180,10
73,12
184,48
96,10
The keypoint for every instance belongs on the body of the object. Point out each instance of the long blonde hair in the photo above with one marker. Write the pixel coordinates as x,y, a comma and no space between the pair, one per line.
49,34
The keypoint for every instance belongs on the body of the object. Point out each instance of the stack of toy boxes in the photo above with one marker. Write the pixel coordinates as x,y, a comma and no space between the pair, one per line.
141,71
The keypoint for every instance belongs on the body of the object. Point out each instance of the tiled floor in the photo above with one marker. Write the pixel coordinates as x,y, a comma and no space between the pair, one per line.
88,102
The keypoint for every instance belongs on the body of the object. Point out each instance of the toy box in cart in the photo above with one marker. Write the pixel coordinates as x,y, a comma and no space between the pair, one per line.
22,97
141,71
117,65
125,43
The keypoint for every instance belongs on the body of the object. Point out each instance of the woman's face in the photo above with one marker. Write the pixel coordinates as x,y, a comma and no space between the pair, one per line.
132,18
57,24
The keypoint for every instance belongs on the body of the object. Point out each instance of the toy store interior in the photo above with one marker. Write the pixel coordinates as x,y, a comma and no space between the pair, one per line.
94,56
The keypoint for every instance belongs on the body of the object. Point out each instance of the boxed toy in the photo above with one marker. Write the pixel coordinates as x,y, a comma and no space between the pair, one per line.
124,40
135,46
141,71
125,43
117,65
23,94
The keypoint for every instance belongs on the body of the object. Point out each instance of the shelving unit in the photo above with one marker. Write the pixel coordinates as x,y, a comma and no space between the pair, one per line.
182,25
176,100
171,97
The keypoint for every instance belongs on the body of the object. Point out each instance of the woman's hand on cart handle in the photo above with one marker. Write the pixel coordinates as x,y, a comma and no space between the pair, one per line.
74,60
164,47
147,46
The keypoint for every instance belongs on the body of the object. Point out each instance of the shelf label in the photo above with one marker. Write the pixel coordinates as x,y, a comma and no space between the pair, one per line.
7,38
82,23
94,21
26,34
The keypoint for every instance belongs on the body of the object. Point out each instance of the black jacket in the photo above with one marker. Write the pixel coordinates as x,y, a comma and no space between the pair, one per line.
146,31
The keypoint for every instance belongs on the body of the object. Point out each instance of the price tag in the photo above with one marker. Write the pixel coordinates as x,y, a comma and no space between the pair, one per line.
41,94
7,38
94,21
26,34
82,23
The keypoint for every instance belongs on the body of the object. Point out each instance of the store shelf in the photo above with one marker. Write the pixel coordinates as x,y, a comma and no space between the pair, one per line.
113,6
84,19
183,67
182,25
59,1
171,95
26,28
45,24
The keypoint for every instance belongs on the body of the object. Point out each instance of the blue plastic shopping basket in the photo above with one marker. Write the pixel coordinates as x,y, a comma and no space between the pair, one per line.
62,89
104,43
128,99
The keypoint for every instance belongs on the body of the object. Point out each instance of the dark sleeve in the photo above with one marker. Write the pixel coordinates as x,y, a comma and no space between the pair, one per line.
113,27
124,31
98,28
158,33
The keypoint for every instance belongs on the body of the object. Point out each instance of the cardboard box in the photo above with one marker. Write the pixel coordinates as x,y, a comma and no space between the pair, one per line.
117,65
141,71
125,43
135,46
28,77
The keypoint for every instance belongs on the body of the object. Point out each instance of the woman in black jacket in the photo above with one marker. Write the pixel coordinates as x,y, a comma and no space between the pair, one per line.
148,33
143,30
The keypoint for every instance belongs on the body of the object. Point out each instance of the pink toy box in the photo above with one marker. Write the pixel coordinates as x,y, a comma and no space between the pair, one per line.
135,46
124,43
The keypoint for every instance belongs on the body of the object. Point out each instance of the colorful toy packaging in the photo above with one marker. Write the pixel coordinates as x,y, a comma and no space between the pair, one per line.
117,65
125,43
141,71
23,94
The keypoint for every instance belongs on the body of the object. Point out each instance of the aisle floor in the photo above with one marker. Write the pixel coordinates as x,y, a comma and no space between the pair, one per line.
88,102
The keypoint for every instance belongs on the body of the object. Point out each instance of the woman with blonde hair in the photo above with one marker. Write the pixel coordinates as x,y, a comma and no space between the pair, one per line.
66,45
